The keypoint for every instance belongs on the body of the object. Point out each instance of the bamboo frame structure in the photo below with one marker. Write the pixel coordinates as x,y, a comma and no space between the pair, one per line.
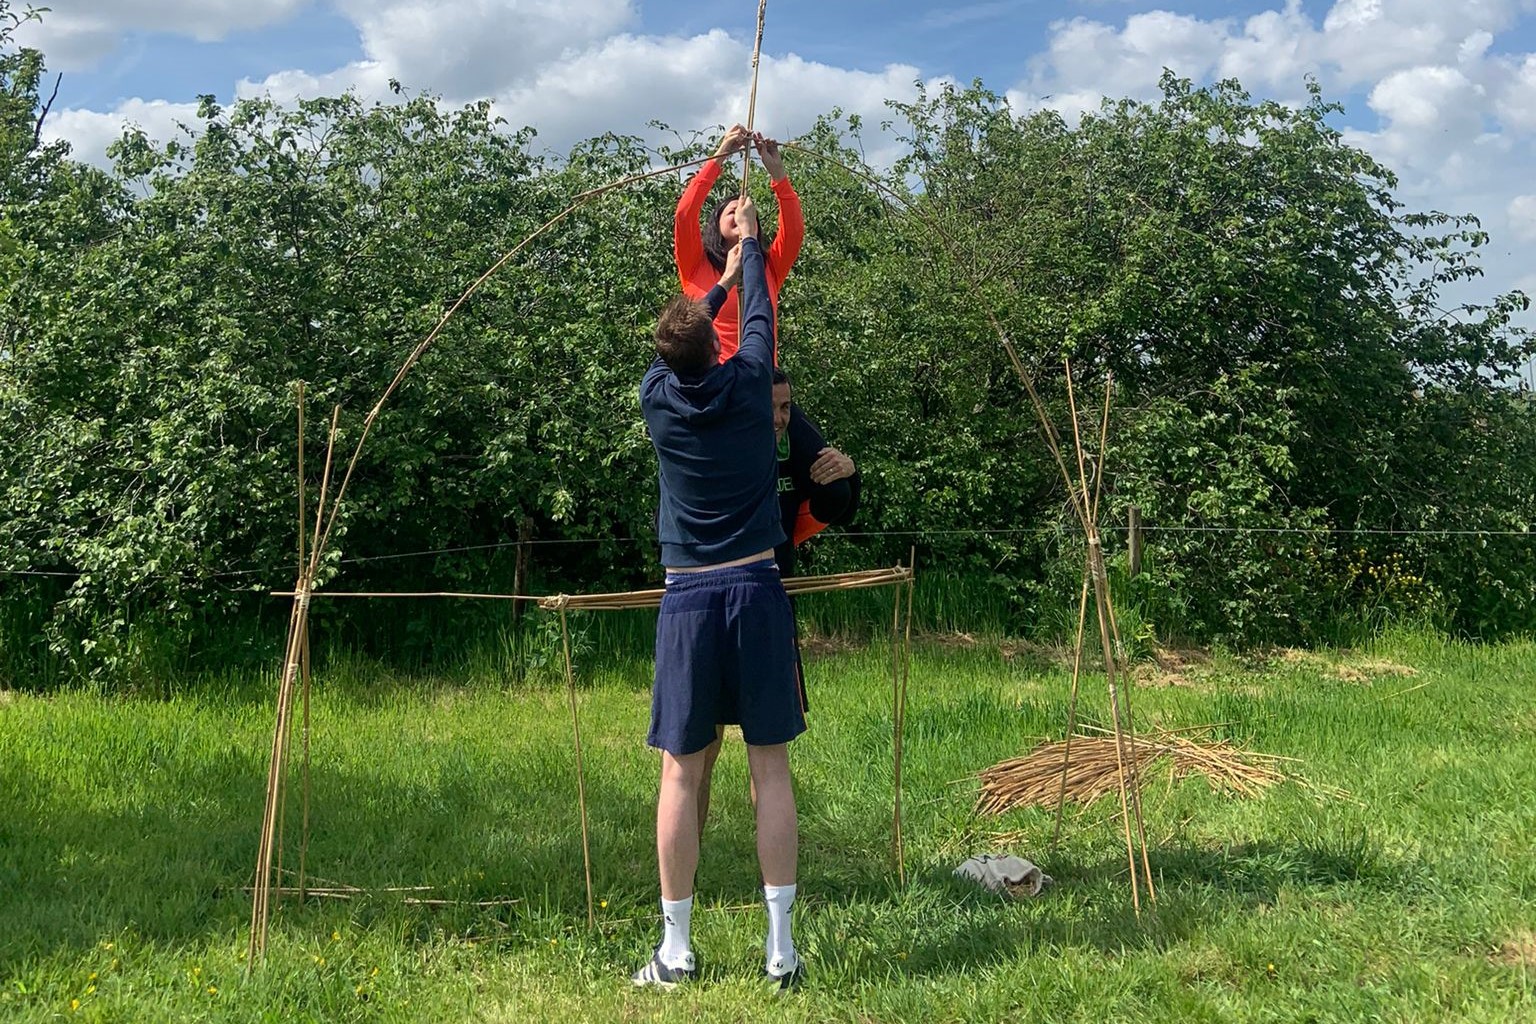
900,578
295,664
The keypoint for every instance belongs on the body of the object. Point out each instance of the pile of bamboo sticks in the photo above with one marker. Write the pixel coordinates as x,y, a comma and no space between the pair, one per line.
1094,770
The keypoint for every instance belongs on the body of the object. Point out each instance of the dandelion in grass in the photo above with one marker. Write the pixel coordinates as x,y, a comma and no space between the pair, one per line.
74,1004
335,936
603,904
213,990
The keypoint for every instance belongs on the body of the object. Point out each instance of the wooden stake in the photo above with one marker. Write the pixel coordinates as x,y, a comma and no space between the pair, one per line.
1133,542
581,779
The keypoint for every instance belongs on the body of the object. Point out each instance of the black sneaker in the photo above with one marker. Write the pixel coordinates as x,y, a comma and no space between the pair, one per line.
783,980
658,975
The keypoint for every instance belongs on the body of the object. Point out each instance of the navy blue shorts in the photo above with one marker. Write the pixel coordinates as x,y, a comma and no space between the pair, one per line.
725,655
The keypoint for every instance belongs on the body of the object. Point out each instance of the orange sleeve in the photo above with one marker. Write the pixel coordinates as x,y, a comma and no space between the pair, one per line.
806,525
791,234
687,242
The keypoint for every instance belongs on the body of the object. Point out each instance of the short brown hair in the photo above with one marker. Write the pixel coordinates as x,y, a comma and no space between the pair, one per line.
685,337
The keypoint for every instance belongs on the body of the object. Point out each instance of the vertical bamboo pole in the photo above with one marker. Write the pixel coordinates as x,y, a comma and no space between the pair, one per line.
900,715
262,887
1077,669
757,53
581,778
1101,606
304,738
293,659
896,850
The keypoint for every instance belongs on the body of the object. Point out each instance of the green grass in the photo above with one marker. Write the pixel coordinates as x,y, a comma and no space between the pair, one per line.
128,827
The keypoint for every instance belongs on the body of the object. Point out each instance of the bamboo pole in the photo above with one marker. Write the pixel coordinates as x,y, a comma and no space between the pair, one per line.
1077,668
896,852
581,778
1101,601
901,711
757,52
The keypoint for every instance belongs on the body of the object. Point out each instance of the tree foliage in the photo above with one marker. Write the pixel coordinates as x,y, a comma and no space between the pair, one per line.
1285,380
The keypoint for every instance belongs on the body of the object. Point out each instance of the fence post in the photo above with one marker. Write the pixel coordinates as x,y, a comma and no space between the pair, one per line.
1133,516
520,574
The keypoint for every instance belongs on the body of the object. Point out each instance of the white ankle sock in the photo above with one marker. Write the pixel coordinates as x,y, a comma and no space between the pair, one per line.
780,946
676,918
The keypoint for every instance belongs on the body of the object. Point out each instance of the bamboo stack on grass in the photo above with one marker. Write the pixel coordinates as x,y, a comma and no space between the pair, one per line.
1035,780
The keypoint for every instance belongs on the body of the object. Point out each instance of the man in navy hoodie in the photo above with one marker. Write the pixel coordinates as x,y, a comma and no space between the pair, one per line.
725,636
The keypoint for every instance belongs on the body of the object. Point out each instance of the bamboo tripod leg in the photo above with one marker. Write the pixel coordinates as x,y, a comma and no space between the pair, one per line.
1130,731
581,778
262,887
896,849
304,740
899,696
1077,669
1101,600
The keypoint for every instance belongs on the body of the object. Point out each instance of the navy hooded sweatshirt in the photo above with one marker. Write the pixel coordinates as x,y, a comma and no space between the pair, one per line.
714,441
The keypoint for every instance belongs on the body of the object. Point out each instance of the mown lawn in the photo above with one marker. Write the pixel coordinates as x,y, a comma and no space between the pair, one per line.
128,829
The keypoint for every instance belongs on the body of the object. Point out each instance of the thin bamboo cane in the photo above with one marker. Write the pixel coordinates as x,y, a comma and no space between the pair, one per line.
298,629
1077,668
260,903
757,52
896,733
901,708
1122,667
862,579
1101,602
581,778
302,516
304,738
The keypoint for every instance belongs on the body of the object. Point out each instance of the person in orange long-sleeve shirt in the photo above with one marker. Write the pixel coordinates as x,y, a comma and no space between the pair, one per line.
701,253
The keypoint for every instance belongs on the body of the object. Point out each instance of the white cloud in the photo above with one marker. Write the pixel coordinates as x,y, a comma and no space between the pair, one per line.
468,49
89,133
77,34
1516,106
1426,99
630,80
1522,217
1368,39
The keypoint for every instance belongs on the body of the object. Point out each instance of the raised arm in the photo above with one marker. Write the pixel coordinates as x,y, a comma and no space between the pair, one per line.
687,242
716,296
756,304
791,234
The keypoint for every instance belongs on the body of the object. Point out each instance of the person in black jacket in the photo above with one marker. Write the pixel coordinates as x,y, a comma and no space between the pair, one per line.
819,486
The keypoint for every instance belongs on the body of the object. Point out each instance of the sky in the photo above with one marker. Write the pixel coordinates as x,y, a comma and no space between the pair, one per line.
1441,91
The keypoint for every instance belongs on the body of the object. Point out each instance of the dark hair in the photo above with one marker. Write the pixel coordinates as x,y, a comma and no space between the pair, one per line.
715,249
779,377
685,337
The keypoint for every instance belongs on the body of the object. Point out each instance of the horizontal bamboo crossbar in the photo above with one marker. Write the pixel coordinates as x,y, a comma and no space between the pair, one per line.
793,586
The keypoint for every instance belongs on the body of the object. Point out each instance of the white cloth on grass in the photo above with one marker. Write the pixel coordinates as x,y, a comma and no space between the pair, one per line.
1011,876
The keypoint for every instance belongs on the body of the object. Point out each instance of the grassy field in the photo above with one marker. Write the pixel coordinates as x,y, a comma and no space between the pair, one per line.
128,828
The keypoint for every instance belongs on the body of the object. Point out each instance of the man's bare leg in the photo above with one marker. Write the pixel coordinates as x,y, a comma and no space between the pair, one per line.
712,751
778,851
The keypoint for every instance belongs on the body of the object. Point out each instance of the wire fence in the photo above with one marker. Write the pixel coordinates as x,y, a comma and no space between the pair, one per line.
917,535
